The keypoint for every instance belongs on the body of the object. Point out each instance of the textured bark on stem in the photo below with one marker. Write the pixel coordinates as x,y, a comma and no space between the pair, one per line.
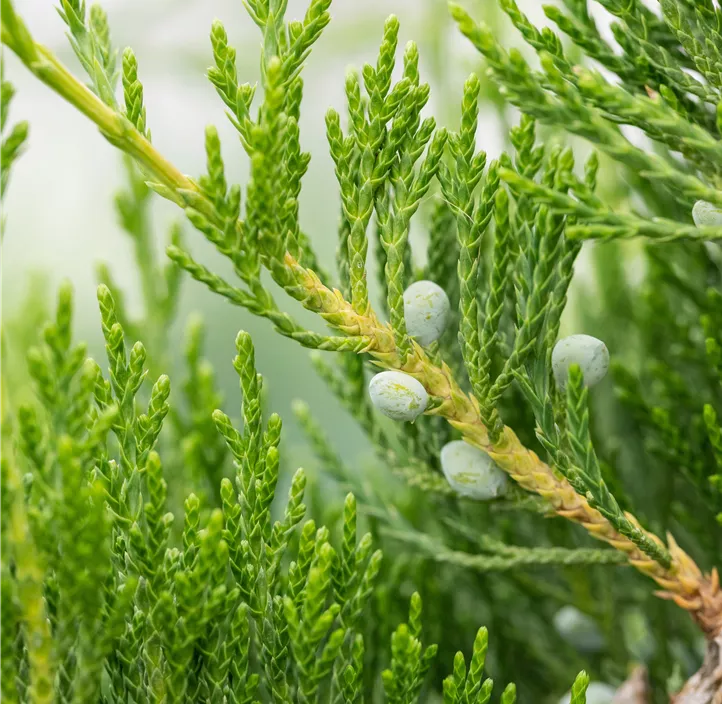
705,686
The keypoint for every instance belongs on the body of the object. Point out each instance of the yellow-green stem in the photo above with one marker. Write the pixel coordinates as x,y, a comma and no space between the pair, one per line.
114,126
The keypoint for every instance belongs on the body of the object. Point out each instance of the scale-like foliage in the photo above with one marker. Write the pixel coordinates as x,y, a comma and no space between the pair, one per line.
246,601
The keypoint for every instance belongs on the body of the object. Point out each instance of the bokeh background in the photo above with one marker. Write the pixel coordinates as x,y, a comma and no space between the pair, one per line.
60,220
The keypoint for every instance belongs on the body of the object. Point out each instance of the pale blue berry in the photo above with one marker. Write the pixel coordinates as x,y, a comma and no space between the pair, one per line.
398,395
589,353
706,214
471,472
597,693
578,629
426,311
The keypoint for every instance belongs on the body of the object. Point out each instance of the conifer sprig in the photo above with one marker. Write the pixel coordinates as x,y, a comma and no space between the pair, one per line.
13,139
89,36
592,107
366,332
513,558
223,614
473,213
186,622
585,471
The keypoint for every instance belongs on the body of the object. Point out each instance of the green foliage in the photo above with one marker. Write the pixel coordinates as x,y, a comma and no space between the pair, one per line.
657,94
89,36
102,602
13,139
159,285
109,596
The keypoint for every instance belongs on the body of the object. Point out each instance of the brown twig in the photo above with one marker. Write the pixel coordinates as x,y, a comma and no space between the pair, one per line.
705,686
635,690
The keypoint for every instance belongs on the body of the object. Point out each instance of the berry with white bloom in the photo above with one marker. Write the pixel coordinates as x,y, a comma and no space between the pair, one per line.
578,629
471,472
597,693
706,214
398,395
589,353
426,311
